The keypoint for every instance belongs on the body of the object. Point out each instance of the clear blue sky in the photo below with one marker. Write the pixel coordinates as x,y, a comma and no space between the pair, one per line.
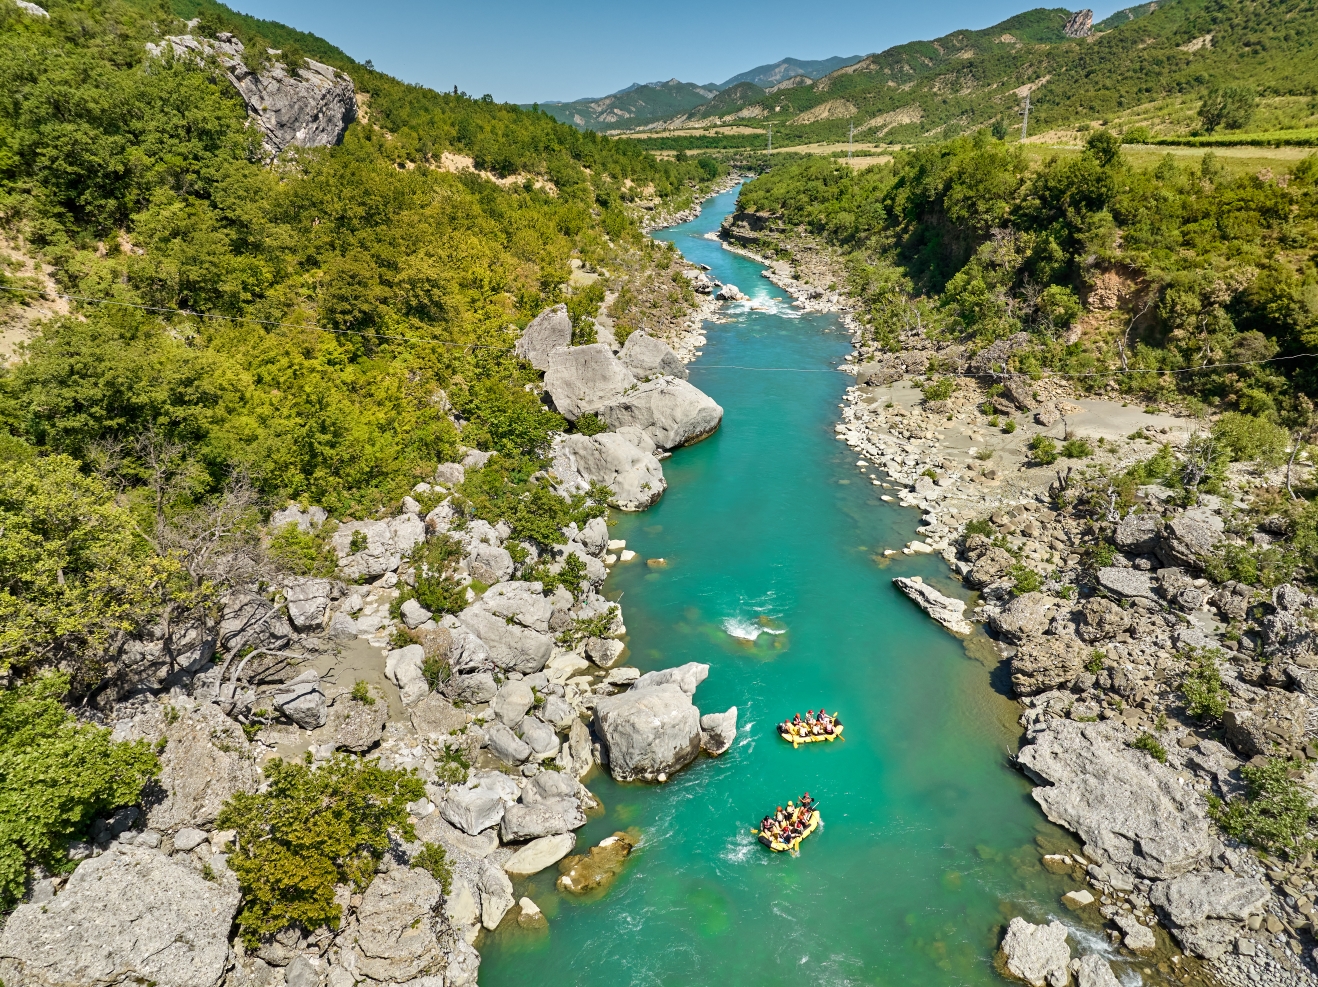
522,52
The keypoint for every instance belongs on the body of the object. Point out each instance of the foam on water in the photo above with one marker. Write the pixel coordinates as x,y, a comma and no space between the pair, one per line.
748,630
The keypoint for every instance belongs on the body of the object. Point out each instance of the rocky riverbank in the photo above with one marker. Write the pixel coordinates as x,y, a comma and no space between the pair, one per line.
1102,598
502,708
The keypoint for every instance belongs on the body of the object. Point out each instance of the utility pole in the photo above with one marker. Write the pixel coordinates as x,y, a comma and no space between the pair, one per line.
1025,124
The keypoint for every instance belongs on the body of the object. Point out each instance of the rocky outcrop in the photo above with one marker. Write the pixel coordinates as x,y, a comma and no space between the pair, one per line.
648,357
718,731
206,761
303,701
1025,616
1130,811
382,545
1188,540
1207,909
1079,25
549,330
1037,954
517,639
1128,584
309,105
539,854
1051,661
648,732
633,476
1138,533
944,609
583,379
669,410
131,915
399,934
1277,719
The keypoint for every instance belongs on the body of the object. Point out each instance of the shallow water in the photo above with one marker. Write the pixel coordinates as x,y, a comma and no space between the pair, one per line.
774,577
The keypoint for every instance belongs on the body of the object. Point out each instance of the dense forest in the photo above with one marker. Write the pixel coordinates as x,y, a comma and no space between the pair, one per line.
1087,264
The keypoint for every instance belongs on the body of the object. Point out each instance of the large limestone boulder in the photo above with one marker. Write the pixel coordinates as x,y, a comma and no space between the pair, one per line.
547,817
648,357
512,645
206,761
404,667
1050,661
1037,954
549,330
1278,718
1138,533
1129,584
989,567
686,677
489,563
303,701
523,602
583,379
635,477
1189,540
386,543
669,410
946,610
397,937
539,854
1024,617
356,726
718,731
1099,619
1094,971
1131,812
308,602
1206,909
129,916
472,809
309,105
250,620
648,731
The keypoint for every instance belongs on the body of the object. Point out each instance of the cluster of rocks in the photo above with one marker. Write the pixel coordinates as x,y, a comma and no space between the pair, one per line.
307,105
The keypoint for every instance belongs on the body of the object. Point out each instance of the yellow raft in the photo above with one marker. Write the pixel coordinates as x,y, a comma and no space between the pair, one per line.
778,846
785,732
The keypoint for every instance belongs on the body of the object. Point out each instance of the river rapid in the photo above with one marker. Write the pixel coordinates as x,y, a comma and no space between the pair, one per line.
775,578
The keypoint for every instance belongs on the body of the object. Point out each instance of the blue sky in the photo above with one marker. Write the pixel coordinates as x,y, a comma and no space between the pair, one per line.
522,52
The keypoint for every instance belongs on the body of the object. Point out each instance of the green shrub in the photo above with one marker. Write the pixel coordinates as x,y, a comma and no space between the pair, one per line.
939,390
1025,578
980,526
1205,697
358,543
308,831
931,473
433,857
1077,449
55,777
1096,662
590,424
1100,556
1274,814
437,587
1044,449
585,627
1148,743
436,670
452,766
1009,426
1245,438
305,553
362,693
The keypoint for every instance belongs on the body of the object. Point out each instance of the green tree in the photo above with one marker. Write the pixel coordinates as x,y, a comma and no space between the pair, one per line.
308,831
1227,108
56,776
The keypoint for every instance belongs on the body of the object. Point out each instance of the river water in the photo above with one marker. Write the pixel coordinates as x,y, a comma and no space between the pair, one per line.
775,578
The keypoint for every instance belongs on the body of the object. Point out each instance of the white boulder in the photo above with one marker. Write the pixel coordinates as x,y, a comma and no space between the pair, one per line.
669,410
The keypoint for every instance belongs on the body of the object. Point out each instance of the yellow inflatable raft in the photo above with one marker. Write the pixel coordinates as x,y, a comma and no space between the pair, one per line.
786,732
778,846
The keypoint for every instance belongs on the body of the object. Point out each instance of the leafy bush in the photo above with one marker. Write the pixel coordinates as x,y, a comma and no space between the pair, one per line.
1077,449
433,857
939,390
306,553
980,526
55,777
590,424
1009,426
308,831
1275,813
585,627
1026,579
358,542
437,587
436,670
1205,697
1246,438
1044,449
362,693
1100,555
1148,743
1097,659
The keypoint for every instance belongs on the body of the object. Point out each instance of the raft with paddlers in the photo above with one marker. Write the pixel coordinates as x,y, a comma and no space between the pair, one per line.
811,729
786,828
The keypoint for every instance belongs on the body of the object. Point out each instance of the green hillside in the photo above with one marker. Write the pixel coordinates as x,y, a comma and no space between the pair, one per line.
1141,70
631,107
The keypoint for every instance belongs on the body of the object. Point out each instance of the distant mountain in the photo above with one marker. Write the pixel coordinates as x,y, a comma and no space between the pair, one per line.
766,76
634,106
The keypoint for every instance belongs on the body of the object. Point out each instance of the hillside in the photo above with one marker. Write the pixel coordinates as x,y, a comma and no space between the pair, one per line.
632,106
767,76
1140,68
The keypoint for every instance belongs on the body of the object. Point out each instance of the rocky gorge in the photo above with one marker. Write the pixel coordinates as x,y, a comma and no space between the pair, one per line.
1099,612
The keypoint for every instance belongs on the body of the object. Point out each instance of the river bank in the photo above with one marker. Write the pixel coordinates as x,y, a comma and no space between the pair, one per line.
1113,654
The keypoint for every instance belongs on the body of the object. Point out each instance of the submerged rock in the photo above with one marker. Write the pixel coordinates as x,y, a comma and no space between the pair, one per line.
1094,971
596,869
947,611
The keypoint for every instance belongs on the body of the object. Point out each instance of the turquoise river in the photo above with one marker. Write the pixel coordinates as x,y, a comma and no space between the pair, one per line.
774,577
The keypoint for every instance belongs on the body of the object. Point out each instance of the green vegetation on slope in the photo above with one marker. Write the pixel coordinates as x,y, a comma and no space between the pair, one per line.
1177,266
632,107
1143,70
